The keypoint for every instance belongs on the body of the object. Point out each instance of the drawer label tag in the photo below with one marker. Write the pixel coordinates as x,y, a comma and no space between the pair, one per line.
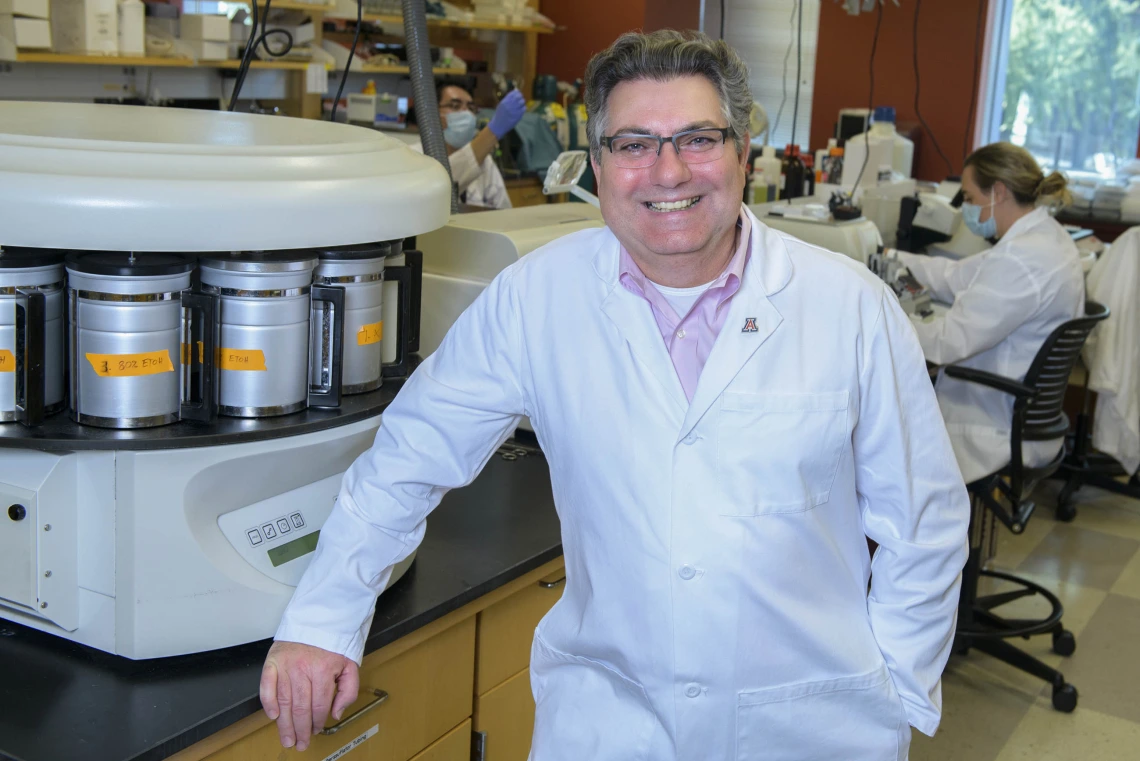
370,334
355,743
131,365
7,361
241,359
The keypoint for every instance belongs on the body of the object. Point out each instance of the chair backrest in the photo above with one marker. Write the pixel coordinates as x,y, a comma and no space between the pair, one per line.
1044,417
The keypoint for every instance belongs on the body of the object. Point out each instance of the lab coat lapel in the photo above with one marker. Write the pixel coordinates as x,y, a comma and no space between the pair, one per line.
633,318
751,320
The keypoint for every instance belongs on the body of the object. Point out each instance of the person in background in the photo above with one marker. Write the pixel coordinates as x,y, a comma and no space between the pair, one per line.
1004,301
469,149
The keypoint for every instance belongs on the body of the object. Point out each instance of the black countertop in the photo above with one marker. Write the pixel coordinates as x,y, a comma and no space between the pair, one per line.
60,701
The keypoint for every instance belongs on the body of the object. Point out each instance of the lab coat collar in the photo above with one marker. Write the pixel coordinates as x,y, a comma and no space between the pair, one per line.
1024,224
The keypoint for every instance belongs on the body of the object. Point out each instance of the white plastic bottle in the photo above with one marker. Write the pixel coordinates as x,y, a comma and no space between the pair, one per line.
885,145
132,28
821,155
765,173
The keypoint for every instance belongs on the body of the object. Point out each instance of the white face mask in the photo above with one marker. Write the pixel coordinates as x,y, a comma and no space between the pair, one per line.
460,129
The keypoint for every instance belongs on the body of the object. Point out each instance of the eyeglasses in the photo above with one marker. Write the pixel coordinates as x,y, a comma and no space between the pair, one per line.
695,146
458,105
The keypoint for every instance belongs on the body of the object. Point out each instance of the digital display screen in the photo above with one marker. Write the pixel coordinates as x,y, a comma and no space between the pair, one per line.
300,546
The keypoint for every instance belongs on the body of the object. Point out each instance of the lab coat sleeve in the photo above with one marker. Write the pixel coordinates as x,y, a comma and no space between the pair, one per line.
915,506
944,278
1001,297
464,169
439,432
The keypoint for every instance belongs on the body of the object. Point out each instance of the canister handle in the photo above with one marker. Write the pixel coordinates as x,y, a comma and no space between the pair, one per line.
30,351
328,394
402,274
200,326
415,260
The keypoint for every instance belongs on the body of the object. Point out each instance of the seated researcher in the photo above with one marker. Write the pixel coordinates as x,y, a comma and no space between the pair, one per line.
1004,301
469,149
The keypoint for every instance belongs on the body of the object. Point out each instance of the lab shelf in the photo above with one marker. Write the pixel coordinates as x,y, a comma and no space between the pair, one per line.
171,62
330,12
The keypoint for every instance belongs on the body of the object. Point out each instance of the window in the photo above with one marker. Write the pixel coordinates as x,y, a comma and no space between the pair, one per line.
1065,82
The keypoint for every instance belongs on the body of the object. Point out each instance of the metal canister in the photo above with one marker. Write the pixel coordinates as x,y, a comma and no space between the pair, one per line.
263,318
126,326
359,270
31,334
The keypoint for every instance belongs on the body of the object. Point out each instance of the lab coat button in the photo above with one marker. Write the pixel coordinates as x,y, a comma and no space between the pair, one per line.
687,572
690,439
692,690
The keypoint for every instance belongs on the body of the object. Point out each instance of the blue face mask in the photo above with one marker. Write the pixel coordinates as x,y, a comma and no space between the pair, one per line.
972,216
460,129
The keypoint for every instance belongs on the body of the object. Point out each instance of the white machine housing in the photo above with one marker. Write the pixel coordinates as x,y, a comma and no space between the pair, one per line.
810,221
464,256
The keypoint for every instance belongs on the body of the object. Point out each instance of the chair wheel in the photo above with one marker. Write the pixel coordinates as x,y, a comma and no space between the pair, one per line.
1064,643
1065,698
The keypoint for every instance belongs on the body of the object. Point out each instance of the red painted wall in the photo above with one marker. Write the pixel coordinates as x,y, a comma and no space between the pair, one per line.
592,25
946,36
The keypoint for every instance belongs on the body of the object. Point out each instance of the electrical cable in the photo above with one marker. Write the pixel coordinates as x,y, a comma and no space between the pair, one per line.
351,53
870,101
974,84
799,66
255,39
722,19
784,80
933,139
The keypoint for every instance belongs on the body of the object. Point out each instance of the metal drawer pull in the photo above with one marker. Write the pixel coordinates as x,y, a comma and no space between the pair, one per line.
381,696
552,584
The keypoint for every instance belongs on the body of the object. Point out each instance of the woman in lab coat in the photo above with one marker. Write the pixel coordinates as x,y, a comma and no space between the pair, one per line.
469,150
1004,301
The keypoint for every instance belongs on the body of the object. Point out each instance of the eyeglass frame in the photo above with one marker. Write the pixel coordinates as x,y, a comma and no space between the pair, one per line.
661,140
469,106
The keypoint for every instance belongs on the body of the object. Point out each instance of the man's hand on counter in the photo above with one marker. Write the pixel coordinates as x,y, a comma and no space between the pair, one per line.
297,687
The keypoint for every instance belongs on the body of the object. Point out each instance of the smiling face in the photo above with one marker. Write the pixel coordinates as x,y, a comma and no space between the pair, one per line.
676,219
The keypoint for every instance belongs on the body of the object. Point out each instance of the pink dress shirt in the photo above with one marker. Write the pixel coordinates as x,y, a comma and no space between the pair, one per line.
690,337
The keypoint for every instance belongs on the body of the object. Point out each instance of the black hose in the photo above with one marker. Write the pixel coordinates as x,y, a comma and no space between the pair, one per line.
423,89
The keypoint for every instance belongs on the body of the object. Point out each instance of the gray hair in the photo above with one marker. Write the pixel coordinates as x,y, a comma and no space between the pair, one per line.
661,56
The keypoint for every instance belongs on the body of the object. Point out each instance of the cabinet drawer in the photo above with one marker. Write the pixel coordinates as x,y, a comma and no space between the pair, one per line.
454,746
506,630
506,714
429,693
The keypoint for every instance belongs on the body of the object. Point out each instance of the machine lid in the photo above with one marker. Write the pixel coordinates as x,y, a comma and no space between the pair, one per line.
128,264
261,261
119,178
17,257
356,253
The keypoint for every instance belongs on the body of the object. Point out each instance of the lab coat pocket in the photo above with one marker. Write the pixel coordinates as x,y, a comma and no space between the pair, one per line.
586,709
778,453
856,718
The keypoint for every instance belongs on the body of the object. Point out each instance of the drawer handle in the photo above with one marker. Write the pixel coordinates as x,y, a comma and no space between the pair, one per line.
381,696
552,584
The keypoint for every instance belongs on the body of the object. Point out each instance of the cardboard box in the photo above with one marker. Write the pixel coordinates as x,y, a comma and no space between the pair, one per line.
7,38
200,26
27,8
33,33
85,27
206,50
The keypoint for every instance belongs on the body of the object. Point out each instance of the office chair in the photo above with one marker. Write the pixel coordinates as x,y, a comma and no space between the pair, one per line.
1037,416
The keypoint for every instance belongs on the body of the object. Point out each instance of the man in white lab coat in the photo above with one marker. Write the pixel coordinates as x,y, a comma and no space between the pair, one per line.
727,413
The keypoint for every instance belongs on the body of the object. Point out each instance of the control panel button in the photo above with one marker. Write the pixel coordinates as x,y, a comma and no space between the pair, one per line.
17,512
270,532
254,536
283,526
298,521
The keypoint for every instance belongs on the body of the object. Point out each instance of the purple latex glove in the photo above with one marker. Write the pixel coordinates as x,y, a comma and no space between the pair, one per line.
508,114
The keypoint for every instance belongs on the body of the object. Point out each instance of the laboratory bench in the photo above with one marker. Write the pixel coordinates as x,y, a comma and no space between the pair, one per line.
446,658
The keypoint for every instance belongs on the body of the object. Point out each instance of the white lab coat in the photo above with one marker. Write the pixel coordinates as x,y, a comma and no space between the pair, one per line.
716,601
1113,352
1004,303
479,184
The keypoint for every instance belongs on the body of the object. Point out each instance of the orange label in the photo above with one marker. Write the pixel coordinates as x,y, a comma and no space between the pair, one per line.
130,365
241,359
370,334
7,361
186,353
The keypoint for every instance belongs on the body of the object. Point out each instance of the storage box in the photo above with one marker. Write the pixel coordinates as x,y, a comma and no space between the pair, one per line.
33,33
27,8
206,50
199,26
85,27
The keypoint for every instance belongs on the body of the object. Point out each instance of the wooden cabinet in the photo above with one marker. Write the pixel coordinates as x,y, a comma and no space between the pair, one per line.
506,714
506,630
429,692
454,746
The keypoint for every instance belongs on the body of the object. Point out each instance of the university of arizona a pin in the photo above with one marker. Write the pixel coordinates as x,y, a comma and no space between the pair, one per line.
750,325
